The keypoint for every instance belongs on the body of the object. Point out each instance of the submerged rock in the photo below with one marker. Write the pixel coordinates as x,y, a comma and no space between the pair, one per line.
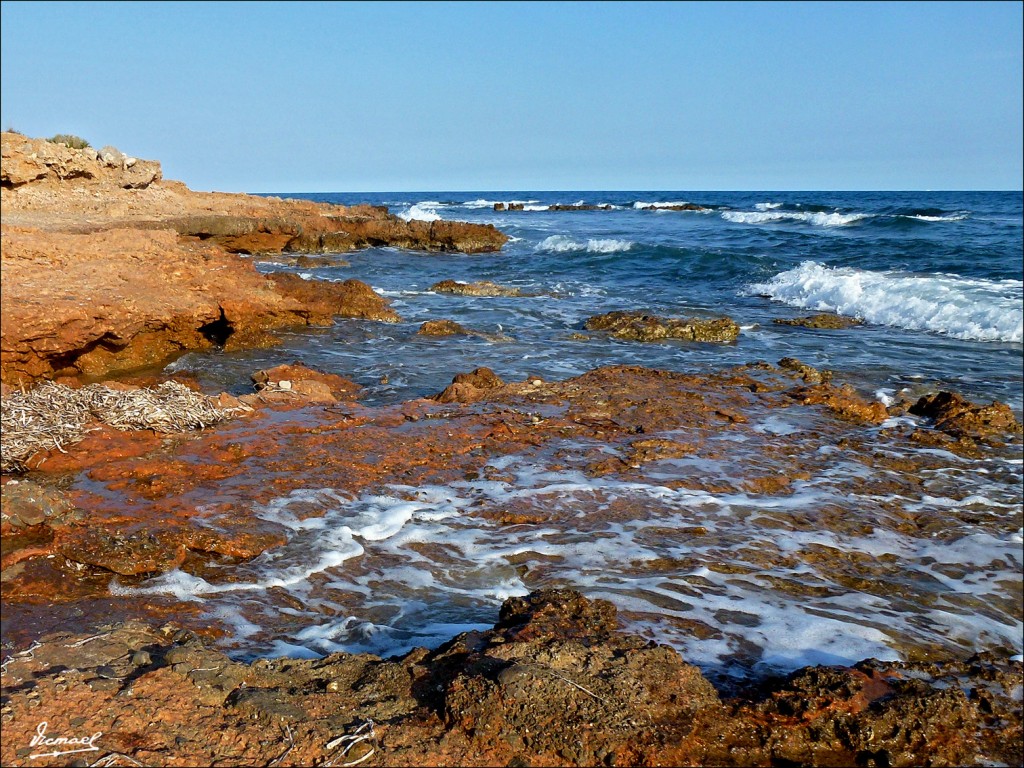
640,326
479,288
823,321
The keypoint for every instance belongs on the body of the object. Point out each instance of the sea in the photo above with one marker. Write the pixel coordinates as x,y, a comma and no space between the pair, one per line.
937,279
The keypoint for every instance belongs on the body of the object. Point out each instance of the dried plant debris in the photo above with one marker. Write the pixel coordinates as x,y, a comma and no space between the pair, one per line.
53,415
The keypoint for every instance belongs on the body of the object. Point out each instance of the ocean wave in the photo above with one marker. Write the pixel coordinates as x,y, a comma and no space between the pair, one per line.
423,211
767,206
974,309
564,244
816,218
959,216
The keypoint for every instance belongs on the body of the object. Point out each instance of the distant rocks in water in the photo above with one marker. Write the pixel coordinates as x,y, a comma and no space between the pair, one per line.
579,207
451,328
671,207
641,326
824,320
479,288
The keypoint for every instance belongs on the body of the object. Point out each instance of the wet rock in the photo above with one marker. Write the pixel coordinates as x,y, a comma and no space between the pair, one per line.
554,682
323,300
821,321
809,373
479,288
312,385
844,401
126,554
25,503
640,326
470,387
442,328
451,328
961,418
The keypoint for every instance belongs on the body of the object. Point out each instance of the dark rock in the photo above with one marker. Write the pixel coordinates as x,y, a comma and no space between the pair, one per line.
480,288
824,320
640,326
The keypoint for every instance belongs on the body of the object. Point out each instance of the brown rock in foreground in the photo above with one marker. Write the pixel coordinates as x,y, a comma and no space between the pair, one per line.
641,326
552,683
821,321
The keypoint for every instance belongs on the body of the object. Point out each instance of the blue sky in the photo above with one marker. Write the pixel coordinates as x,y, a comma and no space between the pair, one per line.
350,97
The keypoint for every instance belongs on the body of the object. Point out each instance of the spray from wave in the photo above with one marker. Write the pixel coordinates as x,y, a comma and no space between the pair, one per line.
424,211
976,309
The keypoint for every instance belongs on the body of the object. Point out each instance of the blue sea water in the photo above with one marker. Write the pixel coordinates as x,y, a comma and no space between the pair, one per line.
937,276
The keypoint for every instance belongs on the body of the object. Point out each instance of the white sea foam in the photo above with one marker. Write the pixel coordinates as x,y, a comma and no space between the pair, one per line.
564,244
959,216
423,211
818,219
983,310
767,206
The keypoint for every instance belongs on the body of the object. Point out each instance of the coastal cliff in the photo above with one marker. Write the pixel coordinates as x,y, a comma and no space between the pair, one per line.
108,267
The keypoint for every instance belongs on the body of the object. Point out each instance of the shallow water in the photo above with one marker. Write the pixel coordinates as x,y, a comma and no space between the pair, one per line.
854,559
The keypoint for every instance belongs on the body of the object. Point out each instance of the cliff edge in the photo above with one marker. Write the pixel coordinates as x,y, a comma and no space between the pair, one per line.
107,266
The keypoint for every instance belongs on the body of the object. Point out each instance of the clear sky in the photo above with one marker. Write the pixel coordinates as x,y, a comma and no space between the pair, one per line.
361,97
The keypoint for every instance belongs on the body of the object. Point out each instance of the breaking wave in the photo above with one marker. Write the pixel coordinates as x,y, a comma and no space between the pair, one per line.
816,218
976,309
564,244
424,211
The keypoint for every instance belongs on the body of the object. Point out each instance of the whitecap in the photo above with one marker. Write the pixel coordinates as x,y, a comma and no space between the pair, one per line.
815,218
565,244
423,211
982,310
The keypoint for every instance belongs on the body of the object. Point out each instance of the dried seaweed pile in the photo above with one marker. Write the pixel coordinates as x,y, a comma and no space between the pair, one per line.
53,415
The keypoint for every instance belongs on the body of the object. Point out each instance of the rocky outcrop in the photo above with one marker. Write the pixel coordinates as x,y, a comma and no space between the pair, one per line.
960,417
38,161
640,326
821,321
287,382
478,288
100,303
108,268
553,682
351,298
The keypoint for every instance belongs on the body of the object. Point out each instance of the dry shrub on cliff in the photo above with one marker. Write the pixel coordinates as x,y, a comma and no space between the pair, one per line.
69,140
53,415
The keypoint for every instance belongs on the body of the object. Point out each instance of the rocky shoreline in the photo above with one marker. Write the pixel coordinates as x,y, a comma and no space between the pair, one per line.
109,270
107,267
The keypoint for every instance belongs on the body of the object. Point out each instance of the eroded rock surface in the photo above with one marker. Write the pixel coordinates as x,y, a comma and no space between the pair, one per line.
821,321
107,267
641,326
554,682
